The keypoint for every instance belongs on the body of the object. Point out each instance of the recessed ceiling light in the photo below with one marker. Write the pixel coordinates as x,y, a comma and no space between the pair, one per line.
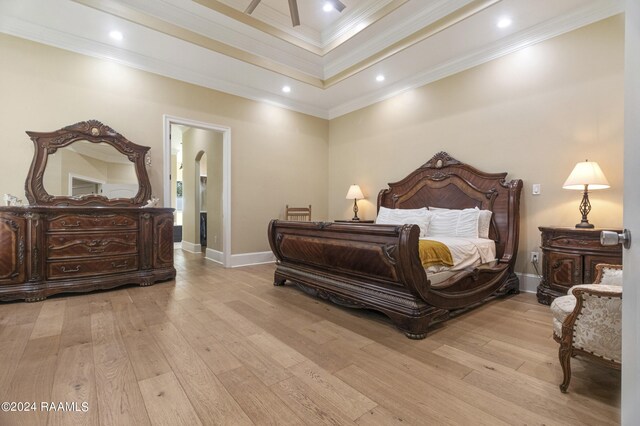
380,77
116,35
504,22
328,6
286,89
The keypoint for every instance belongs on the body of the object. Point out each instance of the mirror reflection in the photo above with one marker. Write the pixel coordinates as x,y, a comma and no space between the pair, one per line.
85,168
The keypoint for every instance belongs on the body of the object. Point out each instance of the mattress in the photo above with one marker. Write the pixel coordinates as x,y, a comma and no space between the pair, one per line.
466,253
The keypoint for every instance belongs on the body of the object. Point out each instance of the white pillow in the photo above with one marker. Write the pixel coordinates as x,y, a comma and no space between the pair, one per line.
484,220
484,223
420,217
454,223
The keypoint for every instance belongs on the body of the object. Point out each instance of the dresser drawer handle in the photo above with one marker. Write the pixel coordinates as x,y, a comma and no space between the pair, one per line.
122,265
582,243
69,225
76,269
96,250
120,224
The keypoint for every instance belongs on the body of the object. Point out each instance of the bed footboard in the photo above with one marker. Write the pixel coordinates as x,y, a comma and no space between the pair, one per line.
365,266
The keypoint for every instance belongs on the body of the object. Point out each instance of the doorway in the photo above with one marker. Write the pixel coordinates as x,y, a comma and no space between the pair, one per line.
81,185
196,180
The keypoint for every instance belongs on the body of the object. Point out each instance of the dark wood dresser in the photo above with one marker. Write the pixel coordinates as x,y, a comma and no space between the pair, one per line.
94,239
48,250
569,257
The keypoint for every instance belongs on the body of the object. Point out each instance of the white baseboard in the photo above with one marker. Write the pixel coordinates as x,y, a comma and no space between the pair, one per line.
177,246
236,260
190,247
214,256
528,282
246,259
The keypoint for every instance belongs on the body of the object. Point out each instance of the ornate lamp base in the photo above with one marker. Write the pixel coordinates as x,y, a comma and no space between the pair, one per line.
355,210
585,208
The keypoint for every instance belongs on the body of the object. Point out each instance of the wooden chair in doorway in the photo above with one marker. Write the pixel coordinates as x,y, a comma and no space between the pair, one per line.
298,213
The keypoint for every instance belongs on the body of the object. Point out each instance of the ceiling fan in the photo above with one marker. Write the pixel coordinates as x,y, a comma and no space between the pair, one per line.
293,9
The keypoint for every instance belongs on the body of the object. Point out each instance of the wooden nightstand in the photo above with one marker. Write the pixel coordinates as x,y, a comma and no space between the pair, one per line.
353,221
569,257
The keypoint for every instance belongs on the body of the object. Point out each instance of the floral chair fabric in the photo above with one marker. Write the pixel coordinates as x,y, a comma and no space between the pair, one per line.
588,320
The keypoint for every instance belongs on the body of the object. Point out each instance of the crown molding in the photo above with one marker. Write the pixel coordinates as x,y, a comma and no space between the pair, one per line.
158,24
66,41
434,27
551,28
347,27
438,10
283,34
309,36
547,30
233,32
305,37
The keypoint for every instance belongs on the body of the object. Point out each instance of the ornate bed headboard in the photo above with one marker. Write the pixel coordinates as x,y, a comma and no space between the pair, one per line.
446,182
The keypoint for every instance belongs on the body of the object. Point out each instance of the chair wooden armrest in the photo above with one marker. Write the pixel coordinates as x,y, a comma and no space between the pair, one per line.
593,328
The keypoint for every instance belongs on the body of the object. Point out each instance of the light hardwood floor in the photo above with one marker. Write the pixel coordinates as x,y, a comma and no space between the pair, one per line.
224,347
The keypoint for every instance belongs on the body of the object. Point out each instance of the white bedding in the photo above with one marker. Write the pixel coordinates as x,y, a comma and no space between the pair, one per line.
466,252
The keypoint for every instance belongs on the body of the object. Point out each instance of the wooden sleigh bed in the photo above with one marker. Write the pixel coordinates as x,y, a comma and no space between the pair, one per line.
378,267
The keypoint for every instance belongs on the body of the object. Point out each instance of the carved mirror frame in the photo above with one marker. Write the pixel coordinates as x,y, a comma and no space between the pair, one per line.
95,132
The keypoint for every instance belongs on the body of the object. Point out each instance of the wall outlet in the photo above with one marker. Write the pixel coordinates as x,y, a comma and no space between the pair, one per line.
535,257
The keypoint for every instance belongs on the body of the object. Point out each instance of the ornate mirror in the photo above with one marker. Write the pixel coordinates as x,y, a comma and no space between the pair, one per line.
87,164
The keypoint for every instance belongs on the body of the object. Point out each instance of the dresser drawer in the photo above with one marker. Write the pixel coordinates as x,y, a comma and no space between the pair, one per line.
69,245
95,221
59,269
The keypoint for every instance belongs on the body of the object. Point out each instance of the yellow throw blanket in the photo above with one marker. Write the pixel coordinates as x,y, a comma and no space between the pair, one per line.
434,253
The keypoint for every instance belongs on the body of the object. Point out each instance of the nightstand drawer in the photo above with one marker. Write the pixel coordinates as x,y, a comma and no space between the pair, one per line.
562,241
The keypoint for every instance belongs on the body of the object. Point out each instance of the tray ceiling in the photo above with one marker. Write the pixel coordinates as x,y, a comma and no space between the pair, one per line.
330,62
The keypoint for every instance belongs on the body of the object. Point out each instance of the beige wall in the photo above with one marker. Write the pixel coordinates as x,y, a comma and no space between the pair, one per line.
121,173
45,88
534,113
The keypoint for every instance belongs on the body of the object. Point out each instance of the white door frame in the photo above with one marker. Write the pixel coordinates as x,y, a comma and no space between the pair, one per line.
631,211
168,120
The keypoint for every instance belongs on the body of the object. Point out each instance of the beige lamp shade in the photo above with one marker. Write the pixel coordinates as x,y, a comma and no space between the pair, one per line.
354,193
586,173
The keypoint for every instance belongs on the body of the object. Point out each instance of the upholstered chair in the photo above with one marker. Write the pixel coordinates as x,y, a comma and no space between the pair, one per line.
588,321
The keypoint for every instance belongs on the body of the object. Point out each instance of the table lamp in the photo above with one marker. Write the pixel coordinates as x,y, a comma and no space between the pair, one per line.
586,175
355,194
